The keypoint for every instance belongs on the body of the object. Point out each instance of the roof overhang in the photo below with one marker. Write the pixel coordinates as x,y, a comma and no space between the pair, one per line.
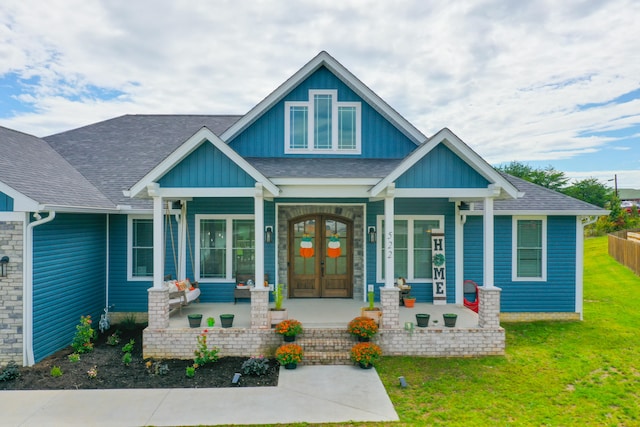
21,203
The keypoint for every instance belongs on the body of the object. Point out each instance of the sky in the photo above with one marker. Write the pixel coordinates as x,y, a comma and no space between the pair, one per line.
545,83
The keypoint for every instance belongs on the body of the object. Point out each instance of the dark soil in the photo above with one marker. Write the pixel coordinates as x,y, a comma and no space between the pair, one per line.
112,372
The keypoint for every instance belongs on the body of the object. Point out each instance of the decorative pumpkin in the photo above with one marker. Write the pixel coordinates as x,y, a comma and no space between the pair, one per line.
333,251
306,246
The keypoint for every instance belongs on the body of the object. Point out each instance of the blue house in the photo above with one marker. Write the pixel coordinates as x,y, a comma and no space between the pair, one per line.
322,187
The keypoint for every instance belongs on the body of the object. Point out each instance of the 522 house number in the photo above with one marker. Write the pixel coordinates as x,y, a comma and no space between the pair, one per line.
390,245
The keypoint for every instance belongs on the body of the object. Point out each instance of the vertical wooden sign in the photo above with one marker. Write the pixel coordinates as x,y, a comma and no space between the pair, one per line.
439,268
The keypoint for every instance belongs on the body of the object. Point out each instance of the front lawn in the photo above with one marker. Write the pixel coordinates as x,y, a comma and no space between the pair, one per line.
554,373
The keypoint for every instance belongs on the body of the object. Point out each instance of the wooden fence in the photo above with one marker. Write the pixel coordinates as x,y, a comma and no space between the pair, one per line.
624,246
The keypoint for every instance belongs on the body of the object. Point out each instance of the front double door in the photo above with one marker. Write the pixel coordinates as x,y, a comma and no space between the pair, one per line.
320,257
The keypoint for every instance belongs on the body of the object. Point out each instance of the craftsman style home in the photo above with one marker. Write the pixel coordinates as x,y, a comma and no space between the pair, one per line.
322,187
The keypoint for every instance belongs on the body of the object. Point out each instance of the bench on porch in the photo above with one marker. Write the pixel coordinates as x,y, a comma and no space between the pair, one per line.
243,287
182,293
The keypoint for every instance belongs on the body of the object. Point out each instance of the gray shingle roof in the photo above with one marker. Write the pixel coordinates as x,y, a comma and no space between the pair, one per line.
34,169
323,168
117,153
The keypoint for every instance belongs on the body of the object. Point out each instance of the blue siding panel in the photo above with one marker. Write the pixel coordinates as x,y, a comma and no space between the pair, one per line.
207,167
6,203
125,295
556,294
69,267
441,168
265,137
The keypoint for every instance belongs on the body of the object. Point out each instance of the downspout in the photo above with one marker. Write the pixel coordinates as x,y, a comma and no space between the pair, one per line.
27,336
106,286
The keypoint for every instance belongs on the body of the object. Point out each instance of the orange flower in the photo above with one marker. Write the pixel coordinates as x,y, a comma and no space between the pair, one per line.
289,353
366,353
289,327
364,327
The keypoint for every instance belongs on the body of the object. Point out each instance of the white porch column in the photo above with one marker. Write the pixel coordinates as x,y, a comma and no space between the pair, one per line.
259,235
182,242
158,243
488,279
389,275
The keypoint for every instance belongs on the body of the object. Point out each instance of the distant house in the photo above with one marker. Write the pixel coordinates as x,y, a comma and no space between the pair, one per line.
105,211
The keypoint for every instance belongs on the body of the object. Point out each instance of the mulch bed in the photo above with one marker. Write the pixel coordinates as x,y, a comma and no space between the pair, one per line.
113,374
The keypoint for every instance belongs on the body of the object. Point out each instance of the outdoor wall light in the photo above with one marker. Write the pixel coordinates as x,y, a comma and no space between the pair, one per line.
268,234
372,234
3,266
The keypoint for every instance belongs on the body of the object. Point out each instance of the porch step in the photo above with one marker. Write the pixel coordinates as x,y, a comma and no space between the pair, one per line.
326,346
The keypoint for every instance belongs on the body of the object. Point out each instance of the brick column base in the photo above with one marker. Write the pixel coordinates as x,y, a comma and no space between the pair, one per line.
390,301
260,308
489,307
158,308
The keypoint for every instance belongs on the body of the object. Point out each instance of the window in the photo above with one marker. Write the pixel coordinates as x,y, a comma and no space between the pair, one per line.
225,246
412,247
322,124
140,247
529,249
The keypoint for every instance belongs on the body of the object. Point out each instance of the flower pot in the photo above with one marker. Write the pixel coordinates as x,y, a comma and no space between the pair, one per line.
363,339
194,320
409,302
277,316
422,319
374,314
226,320
450,319
291,366
365,365
289,338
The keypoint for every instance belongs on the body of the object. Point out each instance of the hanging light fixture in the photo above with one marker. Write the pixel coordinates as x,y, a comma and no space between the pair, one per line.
268,234
372,234
3,266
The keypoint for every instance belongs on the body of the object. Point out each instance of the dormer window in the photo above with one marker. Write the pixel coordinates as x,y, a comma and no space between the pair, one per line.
322,125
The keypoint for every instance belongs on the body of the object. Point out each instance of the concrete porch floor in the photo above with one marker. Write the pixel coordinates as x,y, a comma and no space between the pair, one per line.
321,313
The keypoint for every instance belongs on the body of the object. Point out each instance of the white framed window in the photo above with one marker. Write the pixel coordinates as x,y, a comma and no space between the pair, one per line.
529,249
224,245
412,246
322,125
140,247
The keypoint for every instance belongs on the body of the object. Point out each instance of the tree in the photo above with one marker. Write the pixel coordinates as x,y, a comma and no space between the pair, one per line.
591,191
547,177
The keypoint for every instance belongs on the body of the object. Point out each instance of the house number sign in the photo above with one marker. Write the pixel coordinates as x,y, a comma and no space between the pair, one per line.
439,268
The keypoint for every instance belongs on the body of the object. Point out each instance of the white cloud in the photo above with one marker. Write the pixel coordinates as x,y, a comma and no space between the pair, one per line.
510,78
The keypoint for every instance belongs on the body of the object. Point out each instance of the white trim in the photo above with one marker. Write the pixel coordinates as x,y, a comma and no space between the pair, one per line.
455,144
459,257
335,130
229,218
488,245
498,212
12,216
579,267
457,193
130,276
326,191
193,192
514,249
410,244
324,59
187,148
343,182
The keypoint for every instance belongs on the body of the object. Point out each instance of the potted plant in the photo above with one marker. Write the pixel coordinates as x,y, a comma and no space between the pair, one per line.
278,314
371,311
409,301
226,320
211,321
289,329
365,354
289,355
422,319
450,319
363,328
194,320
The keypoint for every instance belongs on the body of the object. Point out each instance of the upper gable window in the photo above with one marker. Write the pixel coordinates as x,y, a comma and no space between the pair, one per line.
322,124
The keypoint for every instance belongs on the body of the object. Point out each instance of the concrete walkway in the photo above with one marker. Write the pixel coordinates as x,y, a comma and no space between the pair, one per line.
312,394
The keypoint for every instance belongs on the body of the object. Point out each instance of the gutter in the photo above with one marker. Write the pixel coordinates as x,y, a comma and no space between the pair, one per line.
28,358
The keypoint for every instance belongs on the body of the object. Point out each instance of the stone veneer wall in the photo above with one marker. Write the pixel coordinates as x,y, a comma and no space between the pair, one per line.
11,293
353,212
535,316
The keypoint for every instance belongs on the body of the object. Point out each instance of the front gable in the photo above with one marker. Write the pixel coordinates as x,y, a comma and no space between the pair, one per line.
207,166
6,203
441,168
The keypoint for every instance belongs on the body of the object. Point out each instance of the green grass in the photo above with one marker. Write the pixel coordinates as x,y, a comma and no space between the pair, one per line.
553,373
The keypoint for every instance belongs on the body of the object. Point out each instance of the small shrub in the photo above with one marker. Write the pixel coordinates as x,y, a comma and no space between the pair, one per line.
10,372
73,357
128,347
126,358
202,353
190,371
129,322
85,334
156,367
56,372
114,338
255,366
93,372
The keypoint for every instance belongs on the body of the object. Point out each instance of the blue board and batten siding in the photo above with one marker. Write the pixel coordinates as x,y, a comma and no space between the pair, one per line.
6,203
207,166
69,270
556,294
265,137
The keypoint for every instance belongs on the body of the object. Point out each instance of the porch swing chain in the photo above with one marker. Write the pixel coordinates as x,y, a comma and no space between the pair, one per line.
173,246
186,219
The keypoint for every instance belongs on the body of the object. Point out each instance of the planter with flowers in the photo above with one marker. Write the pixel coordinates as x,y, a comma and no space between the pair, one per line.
363,328
365,354
289,329
289,355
